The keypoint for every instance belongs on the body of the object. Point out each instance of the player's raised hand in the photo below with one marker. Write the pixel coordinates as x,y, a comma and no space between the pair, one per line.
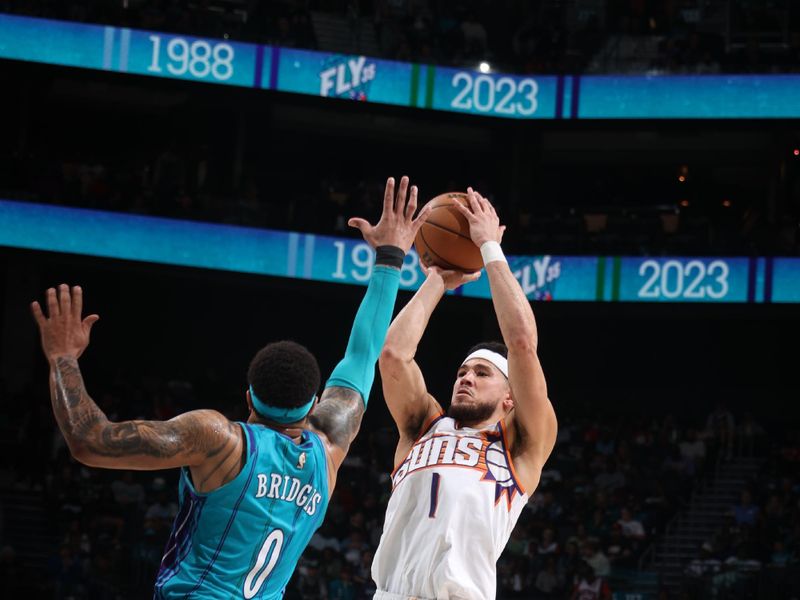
484,224
397,225
450,279
63,331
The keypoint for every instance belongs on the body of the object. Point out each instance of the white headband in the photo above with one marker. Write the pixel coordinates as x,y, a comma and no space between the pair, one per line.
498,360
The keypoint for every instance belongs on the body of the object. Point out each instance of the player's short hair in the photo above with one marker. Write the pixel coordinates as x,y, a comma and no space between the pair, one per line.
284,374
498,347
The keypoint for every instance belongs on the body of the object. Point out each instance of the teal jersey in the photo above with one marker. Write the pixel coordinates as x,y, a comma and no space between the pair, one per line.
244,539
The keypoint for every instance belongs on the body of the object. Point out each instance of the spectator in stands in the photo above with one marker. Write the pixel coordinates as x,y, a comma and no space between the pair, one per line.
331,564
475,36
721,426
746,513
160,514
610,478
547,580
68,573
693,449
548,544
780,555
324,538
594,557
619,550
310,583
749,434
569,562
342,587
632,529
362,575
589,586
128,493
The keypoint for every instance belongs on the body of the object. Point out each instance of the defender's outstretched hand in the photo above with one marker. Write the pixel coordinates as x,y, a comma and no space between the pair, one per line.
63,331
484,224
396,227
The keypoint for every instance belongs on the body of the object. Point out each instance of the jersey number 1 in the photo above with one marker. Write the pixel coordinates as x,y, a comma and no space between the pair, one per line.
272,548
434,495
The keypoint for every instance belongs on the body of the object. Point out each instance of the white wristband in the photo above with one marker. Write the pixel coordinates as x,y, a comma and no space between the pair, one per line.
491,252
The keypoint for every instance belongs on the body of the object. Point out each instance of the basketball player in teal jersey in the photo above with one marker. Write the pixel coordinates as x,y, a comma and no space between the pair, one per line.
251,494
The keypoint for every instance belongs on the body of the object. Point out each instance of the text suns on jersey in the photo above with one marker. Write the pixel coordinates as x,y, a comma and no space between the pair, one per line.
485,452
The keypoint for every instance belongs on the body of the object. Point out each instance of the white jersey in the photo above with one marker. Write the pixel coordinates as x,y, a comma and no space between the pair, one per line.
455,499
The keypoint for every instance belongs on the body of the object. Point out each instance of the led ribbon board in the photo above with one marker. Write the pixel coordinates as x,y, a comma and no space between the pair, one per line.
362,78
343,260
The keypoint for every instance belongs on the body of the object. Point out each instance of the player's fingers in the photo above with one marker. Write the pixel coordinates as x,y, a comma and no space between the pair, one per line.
38,315
361,224
52,303
484,203
402,190
77,302
465,210
422,216
388,196
89,321
502,231
472,277
474,204
64,300
411,207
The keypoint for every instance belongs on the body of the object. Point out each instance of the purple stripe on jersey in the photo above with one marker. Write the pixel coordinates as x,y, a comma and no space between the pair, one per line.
252,444
180,540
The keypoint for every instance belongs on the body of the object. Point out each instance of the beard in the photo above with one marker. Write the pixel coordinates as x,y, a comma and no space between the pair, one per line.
470,413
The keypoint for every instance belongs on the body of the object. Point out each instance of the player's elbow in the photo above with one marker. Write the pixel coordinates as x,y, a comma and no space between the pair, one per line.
81,452
391,357
522,343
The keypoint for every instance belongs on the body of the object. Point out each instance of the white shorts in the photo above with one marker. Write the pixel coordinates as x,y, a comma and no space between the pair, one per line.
379,595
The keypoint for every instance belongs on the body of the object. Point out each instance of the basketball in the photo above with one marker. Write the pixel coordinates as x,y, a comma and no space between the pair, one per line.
443,240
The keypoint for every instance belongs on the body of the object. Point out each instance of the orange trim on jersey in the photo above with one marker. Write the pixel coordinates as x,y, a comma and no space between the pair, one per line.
426,426
454,466
507,449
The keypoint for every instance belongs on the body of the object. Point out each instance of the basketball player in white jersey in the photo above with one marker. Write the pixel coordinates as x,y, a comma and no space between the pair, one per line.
461,480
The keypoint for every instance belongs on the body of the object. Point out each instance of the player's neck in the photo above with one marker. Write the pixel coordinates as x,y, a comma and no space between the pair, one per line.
485,424
293,430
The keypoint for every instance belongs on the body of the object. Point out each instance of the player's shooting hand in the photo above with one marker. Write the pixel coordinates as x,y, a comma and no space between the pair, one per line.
450,279
397,225
484,224
63,331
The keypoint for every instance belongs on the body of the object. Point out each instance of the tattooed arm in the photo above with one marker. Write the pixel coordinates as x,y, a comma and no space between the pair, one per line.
203,439
338,416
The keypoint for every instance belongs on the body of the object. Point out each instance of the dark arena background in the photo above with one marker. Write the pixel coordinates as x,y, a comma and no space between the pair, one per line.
192,165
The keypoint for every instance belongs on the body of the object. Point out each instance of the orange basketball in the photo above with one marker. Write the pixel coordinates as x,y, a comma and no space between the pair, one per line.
443,240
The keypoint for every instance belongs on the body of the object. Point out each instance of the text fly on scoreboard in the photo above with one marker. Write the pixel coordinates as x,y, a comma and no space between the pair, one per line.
363,78
346,260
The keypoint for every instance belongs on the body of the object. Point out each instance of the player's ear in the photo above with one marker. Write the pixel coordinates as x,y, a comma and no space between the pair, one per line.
249,401
508,401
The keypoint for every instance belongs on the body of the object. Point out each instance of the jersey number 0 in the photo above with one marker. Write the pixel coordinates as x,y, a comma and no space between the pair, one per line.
272,548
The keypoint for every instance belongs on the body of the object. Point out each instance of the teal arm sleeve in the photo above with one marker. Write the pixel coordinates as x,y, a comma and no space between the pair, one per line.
357,369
